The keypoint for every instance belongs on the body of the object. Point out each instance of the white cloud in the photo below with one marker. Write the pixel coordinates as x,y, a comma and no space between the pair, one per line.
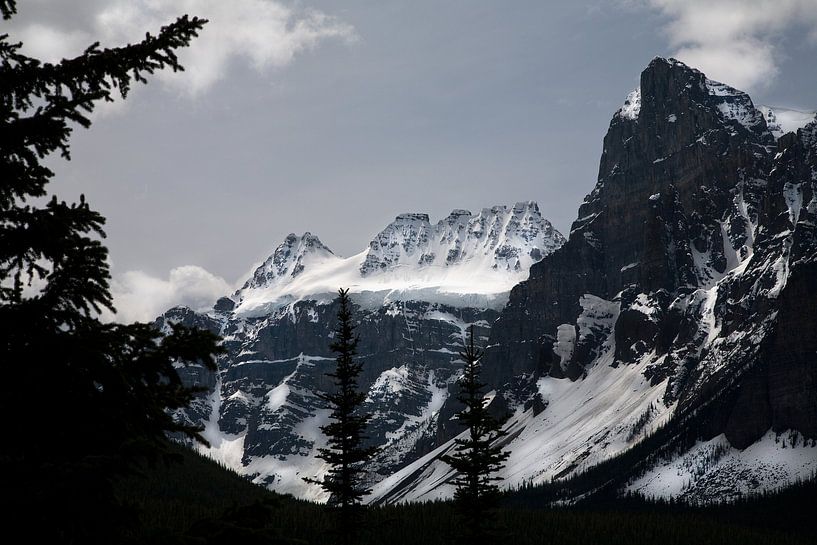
734,41
52,44
139,296
265,33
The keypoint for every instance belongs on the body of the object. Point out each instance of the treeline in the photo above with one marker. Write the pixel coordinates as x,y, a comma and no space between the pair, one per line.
177,503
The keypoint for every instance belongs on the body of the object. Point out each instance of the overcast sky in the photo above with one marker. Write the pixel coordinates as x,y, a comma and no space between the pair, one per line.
333,116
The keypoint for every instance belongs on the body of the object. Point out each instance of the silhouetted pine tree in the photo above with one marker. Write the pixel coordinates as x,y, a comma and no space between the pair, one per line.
80,400
345,452
476,457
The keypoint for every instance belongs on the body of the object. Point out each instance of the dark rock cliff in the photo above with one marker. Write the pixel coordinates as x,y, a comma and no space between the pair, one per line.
701,229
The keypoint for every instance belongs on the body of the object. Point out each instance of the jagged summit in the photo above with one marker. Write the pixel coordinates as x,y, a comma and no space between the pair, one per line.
411,217
289,260
672,92
461,254
500,238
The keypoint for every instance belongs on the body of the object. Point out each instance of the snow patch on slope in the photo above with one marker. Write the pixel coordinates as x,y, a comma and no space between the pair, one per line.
632,105
584,422
784,120
565,343
390,382
285,474
224,448
794,201
715,471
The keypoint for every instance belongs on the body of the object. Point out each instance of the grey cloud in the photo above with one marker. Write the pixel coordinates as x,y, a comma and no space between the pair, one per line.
735,41
139,296
264,33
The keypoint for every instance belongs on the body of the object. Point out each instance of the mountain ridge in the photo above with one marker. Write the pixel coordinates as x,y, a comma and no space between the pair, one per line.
462,254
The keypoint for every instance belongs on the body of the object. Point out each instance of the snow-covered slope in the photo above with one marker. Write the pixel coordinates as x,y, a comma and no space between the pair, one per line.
462,260
584,423
707,472
783,120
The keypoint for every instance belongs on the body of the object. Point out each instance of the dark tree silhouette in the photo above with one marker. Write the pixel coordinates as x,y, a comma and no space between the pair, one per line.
345,452
81,401
477,456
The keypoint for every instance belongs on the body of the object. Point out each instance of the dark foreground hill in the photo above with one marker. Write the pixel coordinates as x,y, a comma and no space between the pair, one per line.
197,501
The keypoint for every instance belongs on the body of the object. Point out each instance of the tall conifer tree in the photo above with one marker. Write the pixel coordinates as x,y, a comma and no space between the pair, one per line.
477,456
80,400
345,433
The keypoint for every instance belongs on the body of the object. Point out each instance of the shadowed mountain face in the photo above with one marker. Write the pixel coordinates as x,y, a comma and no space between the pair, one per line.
698,227
679,183
683,301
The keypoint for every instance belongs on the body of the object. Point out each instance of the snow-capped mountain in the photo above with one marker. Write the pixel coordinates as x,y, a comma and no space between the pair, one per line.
462,260
288,261
418,287
498,238
668,347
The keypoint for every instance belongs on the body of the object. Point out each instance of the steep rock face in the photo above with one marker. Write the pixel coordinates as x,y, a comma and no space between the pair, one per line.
683,302
777,287
667,175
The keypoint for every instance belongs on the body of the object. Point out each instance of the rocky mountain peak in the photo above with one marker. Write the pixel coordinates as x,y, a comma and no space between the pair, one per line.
289,260
670,90
501,237
681,145
411,217
673,208
461,259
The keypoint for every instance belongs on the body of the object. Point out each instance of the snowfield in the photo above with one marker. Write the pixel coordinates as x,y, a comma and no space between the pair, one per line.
715,471
585,422
463,260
